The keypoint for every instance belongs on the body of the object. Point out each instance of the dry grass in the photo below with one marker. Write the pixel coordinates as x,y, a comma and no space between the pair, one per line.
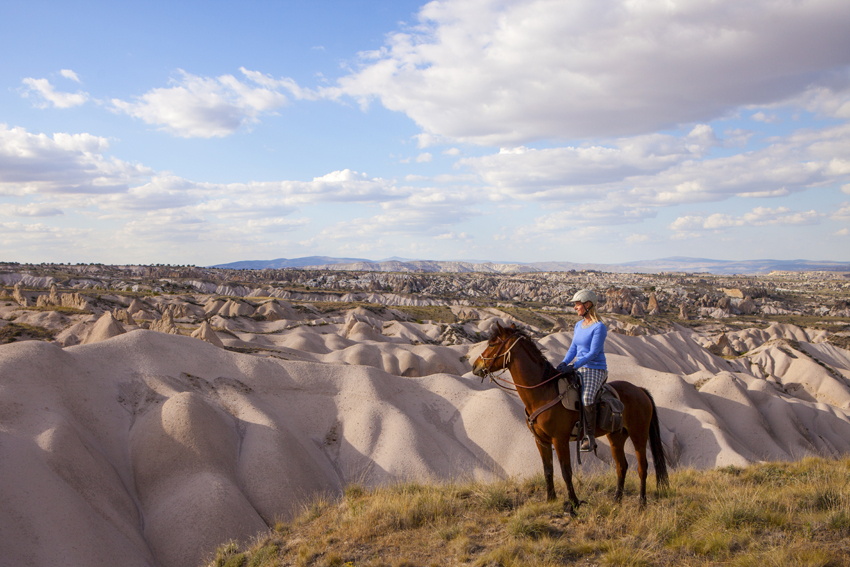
21,331
767,515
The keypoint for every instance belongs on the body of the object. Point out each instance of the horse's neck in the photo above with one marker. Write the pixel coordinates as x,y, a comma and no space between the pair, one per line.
527,370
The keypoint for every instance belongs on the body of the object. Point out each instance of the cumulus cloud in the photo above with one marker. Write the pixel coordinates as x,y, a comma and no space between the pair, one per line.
506,72
644,173
424,157
69,74
30,210
572,172
63,164
766,118
842,213
46,94
204,107
759,216
428,212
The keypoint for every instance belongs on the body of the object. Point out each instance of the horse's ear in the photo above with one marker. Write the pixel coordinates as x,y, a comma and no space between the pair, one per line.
499,327
513,326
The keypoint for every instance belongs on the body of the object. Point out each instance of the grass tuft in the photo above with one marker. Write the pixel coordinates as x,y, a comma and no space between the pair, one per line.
764,515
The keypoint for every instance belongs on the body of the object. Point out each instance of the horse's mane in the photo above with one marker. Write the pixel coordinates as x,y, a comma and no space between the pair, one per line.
506,332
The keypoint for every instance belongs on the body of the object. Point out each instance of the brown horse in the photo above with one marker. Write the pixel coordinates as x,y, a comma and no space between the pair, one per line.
533,375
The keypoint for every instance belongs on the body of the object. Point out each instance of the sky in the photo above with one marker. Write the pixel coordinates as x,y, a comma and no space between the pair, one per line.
508,131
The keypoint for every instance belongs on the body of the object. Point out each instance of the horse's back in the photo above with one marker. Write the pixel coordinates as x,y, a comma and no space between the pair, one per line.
628,392
638,405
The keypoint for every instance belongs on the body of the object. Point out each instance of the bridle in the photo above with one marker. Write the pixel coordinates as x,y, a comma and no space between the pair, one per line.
507,360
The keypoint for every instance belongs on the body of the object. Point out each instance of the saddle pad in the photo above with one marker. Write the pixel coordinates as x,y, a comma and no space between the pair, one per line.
572,401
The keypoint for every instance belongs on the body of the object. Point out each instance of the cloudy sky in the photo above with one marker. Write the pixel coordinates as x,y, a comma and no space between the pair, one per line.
501,130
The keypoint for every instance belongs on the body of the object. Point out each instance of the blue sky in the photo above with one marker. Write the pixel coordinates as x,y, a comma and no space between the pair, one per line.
575,130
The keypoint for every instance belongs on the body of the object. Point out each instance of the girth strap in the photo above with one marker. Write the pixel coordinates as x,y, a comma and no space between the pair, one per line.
529,419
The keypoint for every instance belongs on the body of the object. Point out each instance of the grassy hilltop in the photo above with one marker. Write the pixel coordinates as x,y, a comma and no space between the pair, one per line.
765,515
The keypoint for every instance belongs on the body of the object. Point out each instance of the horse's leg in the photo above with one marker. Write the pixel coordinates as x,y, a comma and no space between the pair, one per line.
548,468
618,451
562,447
639,442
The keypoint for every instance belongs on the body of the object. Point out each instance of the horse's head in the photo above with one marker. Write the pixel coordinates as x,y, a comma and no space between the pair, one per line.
497,354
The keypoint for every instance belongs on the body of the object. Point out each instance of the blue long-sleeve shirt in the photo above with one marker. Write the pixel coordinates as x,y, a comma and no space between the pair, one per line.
588,346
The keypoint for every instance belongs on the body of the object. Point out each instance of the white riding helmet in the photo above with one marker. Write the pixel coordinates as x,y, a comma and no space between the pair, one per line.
586,295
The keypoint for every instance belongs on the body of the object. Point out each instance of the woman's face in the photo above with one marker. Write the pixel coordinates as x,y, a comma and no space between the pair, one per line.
580,308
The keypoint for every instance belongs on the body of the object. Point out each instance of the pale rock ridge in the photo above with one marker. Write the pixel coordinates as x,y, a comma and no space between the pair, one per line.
106,327
637,309
652,305
275,310
165,324
75,301
747,306
206,333
123,316
138,308
233,308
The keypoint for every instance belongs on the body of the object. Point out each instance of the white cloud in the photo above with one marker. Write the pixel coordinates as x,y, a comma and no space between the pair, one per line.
203,107
30,210
69,74
573,172
424,157
843,212
63,164
648,172
451,152
842,232
759,216
766,118
46,94
503,72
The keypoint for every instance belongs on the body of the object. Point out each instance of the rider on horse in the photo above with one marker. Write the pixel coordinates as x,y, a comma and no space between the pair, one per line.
588,350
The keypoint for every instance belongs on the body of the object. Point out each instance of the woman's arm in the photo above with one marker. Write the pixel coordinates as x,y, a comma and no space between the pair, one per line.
597,344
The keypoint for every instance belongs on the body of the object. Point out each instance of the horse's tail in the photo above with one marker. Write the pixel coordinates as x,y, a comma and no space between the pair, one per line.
659,458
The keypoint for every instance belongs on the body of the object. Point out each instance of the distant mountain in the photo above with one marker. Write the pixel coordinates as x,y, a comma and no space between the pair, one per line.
672,264
287,263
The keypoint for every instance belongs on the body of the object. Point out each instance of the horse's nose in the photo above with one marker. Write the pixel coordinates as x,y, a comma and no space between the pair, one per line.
478,368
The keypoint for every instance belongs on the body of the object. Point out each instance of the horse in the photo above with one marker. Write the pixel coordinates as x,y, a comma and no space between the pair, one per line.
536,383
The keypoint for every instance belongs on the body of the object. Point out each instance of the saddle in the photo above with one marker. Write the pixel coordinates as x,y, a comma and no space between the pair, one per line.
609,413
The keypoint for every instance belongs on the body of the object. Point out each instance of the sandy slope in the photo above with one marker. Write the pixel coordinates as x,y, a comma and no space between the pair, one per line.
151,449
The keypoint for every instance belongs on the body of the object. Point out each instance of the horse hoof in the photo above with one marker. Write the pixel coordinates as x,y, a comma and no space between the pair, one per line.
570,509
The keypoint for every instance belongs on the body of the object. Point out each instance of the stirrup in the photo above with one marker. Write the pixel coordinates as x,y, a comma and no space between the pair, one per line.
588,444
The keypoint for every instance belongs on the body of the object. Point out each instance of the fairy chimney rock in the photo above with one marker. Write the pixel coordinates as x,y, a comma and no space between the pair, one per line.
105,328
748,306
18,295
637,309
166,324
206,333
652,306
54,298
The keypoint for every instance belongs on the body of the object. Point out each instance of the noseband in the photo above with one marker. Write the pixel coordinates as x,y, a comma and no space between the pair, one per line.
505,355
507,360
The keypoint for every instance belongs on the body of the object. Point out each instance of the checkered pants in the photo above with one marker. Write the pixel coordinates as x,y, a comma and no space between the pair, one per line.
591,380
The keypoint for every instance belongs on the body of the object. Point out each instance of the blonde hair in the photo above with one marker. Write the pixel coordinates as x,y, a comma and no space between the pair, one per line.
594,316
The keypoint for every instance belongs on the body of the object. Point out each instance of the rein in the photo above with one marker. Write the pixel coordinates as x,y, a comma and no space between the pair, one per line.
507,356
530,418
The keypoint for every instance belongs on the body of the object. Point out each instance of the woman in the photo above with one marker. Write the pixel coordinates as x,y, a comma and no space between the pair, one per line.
588,350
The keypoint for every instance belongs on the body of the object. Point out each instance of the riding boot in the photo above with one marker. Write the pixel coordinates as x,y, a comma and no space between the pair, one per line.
588,444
